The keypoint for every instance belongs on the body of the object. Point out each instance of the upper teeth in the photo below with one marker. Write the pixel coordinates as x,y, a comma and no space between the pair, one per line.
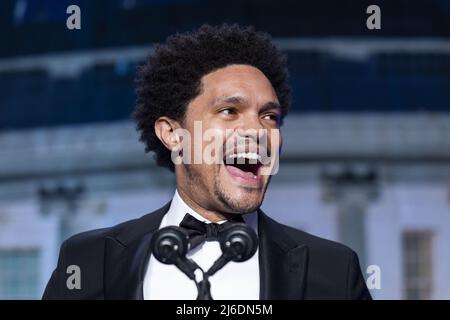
248,155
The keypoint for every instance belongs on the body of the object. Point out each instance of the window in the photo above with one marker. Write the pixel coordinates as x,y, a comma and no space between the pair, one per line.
417,265
19,274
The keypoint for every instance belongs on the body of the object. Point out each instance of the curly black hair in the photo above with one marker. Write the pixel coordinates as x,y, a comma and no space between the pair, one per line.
171,77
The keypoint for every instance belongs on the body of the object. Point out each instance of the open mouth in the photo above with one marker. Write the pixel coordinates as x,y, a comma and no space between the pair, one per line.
246,164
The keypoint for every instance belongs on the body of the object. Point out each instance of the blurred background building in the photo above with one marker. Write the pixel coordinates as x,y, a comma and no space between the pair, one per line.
366,159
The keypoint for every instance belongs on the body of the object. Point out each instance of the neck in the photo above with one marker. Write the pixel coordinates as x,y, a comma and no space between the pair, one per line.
211,215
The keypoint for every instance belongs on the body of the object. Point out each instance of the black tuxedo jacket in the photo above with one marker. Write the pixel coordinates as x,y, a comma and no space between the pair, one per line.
293,264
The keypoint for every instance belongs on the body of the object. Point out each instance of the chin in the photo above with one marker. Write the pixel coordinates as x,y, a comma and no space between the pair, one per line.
242,200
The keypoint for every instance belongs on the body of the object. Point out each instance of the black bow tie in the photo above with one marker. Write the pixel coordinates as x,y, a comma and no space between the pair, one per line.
198,231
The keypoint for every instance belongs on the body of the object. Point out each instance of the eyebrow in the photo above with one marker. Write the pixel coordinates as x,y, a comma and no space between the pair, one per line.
229,99
240,100
270,105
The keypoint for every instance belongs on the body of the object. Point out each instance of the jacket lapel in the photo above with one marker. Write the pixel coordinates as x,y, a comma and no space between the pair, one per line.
127,255
282,262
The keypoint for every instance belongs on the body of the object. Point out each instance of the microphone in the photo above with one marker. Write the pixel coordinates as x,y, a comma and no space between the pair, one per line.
238,243
169,246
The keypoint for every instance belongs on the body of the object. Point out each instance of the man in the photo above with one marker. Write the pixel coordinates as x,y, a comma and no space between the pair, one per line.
233,82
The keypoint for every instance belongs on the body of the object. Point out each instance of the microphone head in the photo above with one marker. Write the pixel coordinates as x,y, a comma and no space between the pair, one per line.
169,244
238,242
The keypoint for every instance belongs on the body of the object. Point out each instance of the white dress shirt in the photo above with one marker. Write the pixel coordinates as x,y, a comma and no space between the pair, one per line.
235,281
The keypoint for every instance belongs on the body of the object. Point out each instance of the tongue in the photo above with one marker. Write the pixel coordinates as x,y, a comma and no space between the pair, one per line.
241,173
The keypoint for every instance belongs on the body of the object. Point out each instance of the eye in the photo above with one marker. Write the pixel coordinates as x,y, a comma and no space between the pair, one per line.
271,116
228,111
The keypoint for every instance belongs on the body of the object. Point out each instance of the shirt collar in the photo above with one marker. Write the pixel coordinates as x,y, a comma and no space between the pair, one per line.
179,208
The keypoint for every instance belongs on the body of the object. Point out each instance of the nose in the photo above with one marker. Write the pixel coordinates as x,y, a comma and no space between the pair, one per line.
249,126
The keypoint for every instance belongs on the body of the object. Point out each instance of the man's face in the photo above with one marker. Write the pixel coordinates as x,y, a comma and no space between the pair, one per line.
235,102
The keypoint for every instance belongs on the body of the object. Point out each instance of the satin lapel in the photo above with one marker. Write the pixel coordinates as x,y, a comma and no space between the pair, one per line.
283,262
127,255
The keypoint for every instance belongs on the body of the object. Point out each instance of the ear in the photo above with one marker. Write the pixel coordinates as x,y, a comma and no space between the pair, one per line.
165,130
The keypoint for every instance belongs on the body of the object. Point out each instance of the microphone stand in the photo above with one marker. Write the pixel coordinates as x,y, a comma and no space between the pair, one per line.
204,286
188,267
204,289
